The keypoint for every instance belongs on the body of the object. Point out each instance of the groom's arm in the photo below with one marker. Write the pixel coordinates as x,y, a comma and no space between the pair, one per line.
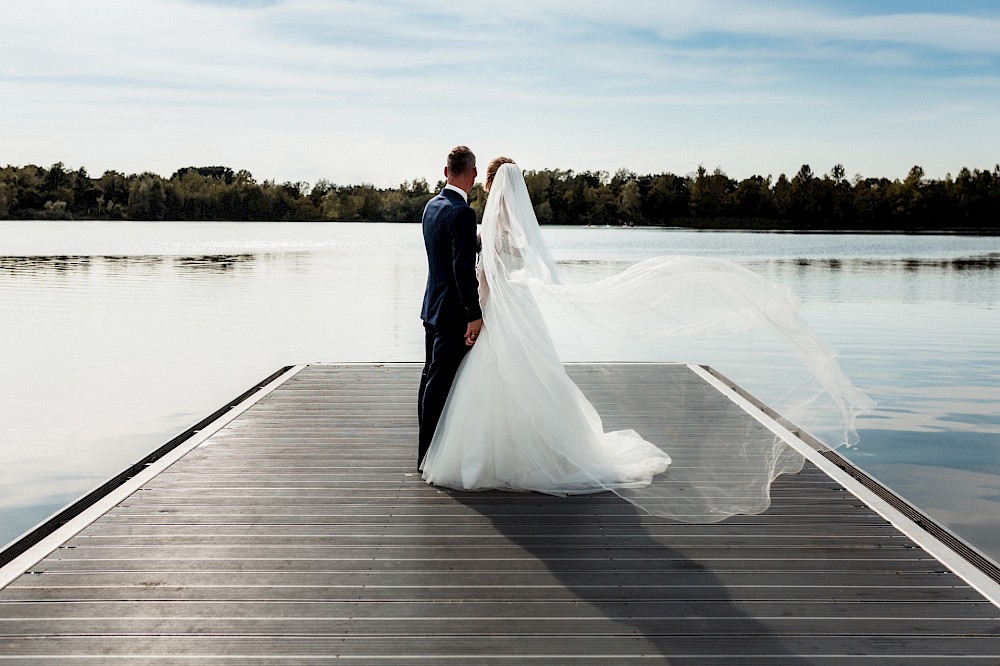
463,254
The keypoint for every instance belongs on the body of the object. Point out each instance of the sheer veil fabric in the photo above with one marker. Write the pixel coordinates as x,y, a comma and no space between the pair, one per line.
514,420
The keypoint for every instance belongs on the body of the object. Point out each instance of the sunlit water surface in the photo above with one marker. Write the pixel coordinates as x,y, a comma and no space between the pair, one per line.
117,336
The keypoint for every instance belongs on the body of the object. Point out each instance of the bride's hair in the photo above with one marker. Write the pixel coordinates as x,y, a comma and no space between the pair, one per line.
494,166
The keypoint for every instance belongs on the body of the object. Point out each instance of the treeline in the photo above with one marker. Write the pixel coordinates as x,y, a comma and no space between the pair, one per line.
806,201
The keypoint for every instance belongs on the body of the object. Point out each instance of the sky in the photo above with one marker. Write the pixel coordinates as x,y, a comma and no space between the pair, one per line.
378,91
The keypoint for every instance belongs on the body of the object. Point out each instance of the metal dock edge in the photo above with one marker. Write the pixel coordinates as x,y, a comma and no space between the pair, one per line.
39,541
974,567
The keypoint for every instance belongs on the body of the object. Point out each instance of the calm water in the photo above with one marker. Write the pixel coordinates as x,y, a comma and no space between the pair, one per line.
116,336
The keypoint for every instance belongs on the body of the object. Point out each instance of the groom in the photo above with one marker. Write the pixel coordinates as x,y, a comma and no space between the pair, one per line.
451,314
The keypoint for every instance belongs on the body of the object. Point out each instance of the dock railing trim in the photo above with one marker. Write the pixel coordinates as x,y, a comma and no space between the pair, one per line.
60,535
964,569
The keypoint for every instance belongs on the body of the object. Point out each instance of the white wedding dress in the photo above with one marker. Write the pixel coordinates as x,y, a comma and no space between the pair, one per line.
514,420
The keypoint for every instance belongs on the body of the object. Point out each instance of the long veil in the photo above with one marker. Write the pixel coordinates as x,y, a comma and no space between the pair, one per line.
709,310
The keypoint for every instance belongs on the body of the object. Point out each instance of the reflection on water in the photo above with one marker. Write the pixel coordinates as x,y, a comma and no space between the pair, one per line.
62,264
215,263
116,337
33,265
982,262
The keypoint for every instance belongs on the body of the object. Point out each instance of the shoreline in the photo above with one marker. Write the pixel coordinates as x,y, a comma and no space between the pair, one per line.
724,228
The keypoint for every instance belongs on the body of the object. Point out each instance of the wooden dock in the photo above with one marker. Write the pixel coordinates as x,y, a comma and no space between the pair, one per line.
294,529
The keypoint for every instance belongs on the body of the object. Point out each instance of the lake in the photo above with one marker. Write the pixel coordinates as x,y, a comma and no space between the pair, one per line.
117,336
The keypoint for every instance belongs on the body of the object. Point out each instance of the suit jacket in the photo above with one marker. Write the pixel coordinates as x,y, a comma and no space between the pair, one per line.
451,299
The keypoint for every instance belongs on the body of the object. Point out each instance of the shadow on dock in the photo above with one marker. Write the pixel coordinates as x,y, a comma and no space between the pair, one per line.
625,574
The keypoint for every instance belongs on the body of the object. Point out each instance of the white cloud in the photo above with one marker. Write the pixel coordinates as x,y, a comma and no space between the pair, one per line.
793,22
156,84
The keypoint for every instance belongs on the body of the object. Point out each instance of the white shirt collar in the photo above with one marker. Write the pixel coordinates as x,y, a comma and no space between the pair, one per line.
465,196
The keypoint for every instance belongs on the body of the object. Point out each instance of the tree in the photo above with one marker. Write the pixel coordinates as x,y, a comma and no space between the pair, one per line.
220,173
370,209
114,194
4,205
811,202
871,200
539,184
25,190
665,197
85,193
908,204
602,205
978,197
709,193
56,178
56,210
146,198
781,196
630,202
970,200
751,198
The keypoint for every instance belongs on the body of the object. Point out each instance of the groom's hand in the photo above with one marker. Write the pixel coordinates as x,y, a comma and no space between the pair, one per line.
472,331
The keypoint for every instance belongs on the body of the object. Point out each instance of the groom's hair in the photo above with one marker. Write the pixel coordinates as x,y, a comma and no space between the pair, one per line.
461,161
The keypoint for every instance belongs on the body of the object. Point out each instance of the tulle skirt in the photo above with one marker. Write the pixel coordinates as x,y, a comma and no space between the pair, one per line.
518,422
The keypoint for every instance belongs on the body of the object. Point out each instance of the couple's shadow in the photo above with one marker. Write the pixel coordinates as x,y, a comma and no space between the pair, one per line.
621,562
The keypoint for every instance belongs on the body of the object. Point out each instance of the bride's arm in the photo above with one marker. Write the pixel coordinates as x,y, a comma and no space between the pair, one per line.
484,285
506,241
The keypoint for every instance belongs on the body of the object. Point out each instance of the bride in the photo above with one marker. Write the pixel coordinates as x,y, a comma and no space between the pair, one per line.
514,420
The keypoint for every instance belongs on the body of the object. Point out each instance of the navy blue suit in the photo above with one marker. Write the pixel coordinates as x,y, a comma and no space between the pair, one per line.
451,301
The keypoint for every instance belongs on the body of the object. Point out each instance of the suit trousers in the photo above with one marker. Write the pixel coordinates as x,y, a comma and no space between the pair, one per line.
444,351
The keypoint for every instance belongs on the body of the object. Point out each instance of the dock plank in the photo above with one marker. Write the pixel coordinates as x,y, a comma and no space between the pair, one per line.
301,532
